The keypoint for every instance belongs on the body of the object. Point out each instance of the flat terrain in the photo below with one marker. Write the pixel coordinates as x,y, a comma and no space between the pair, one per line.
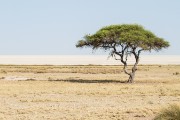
86,92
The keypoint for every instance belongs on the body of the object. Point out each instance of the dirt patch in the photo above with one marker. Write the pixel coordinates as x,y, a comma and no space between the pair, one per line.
17,78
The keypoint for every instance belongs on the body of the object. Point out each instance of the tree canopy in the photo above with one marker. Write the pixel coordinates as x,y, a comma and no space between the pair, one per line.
124,40
131,35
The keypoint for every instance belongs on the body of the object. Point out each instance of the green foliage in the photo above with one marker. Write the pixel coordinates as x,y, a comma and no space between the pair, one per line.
130,35
171,113
124,40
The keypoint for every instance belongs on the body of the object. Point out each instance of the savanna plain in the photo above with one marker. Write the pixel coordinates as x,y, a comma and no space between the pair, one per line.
86,92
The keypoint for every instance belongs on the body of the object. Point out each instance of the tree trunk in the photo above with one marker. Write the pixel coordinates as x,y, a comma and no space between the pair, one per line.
134,68
132,73
131,77
124,61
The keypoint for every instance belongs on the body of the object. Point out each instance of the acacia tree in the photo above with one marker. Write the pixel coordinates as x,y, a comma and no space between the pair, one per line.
123,41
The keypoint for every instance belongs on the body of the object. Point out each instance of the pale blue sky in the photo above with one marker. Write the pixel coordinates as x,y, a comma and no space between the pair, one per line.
52,27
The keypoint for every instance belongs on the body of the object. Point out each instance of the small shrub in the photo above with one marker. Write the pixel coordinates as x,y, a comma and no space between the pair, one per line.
176,73
170,113
2,78
3,71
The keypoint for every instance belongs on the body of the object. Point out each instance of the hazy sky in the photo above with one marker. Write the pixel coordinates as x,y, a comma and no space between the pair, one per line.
53,27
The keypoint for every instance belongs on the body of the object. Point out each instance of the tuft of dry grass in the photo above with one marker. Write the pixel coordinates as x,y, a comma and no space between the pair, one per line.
170,113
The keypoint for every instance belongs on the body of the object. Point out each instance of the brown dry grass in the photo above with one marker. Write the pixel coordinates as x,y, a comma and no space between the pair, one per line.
86,92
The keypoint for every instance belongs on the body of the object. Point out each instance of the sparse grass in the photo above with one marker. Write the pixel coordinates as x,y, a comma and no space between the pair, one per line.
86,92
170,113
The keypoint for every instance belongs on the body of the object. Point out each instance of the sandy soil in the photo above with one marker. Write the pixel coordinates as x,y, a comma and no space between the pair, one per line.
86,92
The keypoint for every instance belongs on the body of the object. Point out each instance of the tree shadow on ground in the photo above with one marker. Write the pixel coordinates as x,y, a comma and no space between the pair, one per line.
89,81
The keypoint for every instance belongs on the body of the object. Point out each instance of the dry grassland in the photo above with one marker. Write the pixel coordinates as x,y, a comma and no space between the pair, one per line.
86,92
